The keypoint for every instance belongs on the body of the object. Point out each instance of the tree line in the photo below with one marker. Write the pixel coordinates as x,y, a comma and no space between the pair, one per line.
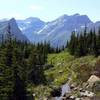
84,43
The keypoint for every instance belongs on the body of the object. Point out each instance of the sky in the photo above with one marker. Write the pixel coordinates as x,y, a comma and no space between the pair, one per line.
48,10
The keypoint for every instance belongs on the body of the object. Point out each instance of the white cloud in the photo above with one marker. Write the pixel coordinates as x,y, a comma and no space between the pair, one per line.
35,7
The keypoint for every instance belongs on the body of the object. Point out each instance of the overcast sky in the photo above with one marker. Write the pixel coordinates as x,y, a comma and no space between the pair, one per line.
48,10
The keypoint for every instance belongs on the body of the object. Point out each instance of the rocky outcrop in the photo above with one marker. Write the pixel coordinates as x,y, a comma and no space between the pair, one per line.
92,80
73,92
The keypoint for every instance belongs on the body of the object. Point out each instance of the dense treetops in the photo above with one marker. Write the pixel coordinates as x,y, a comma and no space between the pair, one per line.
21,63
84,43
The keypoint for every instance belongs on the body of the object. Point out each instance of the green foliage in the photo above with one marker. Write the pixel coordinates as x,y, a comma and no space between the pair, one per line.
21,63
69,69
84,43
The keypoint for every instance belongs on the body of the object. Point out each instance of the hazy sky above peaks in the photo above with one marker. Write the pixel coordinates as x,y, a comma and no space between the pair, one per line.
48,10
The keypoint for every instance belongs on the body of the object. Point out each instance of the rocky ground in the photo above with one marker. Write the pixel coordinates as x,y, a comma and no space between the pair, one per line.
85,92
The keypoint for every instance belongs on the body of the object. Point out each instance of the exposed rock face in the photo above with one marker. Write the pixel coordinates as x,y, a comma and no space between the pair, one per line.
57,32
30,26
93,79
65,89
12,27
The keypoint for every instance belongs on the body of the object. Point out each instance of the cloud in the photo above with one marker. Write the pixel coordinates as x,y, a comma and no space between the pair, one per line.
35,7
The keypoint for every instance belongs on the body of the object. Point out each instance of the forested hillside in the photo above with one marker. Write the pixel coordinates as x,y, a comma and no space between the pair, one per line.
21,63
84,43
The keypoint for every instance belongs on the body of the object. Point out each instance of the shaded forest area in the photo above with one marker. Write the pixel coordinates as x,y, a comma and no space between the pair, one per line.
21,63
84,43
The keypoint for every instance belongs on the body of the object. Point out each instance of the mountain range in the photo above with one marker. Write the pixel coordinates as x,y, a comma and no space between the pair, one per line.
57,32
11,25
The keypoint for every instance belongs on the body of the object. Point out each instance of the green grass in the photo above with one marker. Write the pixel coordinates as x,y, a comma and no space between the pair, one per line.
66,68
58,74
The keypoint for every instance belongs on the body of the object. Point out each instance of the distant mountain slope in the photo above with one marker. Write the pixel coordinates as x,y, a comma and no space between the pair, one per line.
95,25
4,25
66,23
59,30
30,26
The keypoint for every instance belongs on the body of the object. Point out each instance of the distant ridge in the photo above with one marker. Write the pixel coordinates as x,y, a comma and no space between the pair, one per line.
13,29
58,31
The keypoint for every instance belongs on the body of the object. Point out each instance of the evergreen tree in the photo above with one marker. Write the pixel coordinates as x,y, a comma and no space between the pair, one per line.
85,43
19,89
